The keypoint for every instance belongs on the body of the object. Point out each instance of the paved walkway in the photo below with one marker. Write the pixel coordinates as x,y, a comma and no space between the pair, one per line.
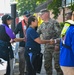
16,71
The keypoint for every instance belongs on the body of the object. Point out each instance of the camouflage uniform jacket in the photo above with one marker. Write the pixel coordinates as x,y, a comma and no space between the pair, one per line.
49,30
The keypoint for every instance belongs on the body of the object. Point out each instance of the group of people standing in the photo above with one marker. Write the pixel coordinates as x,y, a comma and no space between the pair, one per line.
50,30
30,43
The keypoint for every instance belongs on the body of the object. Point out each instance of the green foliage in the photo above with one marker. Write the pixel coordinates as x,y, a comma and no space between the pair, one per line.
62,25
23,5
72,6
30,5
55,7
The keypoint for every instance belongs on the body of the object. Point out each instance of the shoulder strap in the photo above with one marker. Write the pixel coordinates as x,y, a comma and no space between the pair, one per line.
66,46
66,26
24,27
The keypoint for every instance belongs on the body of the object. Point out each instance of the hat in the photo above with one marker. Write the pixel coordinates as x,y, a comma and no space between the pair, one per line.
27,13
6,17
43,11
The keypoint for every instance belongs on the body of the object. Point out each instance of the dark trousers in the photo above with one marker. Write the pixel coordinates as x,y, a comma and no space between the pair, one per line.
8,68
30,68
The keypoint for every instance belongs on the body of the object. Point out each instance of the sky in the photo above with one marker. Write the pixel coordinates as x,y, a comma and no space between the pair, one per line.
5,6
69,1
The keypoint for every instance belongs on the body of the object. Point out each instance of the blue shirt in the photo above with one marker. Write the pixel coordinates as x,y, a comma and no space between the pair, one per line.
31,35
67,55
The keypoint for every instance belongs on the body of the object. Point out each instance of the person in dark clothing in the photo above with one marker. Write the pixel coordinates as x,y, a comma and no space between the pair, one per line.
6,38
19,29
32,47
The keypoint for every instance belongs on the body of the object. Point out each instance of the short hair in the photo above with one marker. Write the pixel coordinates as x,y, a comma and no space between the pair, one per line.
30,20
69,13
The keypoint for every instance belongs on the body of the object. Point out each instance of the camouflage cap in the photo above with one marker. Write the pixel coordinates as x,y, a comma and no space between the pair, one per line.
43,11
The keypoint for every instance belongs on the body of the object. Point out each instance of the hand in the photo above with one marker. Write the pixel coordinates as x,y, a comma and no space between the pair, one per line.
56,48
52,42
12,41
24,39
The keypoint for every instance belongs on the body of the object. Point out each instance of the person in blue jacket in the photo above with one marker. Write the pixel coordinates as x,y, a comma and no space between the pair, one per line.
32,47
67,49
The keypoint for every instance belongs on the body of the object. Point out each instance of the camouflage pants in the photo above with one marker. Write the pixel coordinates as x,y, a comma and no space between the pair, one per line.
48,54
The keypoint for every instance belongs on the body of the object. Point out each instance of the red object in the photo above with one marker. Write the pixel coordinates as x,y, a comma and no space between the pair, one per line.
24,29
17,20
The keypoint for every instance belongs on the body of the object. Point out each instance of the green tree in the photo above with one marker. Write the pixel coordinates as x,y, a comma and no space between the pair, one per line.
30,5
55,6
23,5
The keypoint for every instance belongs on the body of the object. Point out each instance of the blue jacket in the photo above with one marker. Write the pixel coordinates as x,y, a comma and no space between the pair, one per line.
67,55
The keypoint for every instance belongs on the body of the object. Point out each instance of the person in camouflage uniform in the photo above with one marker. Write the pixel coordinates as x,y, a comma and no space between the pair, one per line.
50,29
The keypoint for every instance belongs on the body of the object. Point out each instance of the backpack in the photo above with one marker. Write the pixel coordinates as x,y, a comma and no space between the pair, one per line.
67,24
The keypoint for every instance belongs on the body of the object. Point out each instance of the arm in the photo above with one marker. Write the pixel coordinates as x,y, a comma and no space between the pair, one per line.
18,39
35,36
11,34
58,32
57,29
38,40
17,29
